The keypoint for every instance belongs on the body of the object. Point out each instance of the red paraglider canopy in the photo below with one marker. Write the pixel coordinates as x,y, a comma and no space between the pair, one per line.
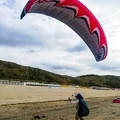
78,17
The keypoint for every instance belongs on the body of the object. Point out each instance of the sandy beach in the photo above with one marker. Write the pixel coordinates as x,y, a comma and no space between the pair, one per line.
35,102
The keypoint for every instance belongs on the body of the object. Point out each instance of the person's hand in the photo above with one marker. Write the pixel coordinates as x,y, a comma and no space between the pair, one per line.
69,99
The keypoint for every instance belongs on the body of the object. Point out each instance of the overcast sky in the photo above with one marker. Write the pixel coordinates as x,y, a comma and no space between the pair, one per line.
43,42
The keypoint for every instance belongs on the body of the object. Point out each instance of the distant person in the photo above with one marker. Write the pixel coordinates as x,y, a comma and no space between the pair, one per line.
82,108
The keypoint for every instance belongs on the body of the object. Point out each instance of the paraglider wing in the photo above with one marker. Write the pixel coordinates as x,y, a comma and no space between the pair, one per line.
78,17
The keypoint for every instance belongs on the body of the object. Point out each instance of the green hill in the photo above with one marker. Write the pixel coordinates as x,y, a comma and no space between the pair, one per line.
13,71
100,81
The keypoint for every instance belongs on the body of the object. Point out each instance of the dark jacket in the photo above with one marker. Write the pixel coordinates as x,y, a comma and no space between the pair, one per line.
83,109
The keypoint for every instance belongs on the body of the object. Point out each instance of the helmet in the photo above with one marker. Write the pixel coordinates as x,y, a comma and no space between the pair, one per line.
79,96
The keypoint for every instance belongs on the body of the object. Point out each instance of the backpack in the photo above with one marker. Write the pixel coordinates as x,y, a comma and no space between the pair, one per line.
83,109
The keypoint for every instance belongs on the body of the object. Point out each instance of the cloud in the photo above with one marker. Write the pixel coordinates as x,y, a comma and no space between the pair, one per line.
12,36
44,42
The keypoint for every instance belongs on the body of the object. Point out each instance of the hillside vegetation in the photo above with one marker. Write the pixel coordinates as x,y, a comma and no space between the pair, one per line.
13,71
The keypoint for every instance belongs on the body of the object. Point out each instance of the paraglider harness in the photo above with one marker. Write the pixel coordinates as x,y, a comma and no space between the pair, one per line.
82,108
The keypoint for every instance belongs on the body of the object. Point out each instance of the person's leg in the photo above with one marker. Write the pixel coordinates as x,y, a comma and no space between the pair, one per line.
81,118
76,116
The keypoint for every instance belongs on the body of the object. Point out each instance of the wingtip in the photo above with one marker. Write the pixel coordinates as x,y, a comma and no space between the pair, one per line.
23,13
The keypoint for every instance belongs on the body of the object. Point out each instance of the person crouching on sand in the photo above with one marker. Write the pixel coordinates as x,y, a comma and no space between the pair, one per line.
82,107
